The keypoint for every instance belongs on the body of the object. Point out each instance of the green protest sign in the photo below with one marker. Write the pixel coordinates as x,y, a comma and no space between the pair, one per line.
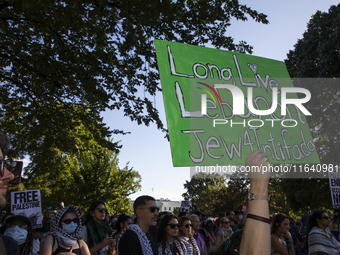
220,106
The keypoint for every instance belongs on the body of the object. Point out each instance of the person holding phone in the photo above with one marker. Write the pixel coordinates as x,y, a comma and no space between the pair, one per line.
96,232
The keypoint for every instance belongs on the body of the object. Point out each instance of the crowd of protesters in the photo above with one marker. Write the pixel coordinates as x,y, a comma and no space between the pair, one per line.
67,232
97,233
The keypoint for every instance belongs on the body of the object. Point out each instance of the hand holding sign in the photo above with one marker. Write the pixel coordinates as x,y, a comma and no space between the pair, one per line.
221,106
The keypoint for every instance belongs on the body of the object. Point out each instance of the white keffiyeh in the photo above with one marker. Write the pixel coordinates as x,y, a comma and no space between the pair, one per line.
189,245
168,250
143,239
66,239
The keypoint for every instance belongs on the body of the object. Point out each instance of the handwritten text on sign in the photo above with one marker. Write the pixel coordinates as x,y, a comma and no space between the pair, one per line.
222,105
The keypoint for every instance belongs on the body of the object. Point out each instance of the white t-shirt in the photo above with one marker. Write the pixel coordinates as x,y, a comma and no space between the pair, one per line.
36,246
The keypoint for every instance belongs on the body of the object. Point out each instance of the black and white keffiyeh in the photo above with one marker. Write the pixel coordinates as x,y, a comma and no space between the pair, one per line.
66,239
189,245
168,250
143,239
48,208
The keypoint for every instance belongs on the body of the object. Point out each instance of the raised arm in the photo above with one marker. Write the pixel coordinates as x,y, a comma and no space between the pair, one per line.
259,243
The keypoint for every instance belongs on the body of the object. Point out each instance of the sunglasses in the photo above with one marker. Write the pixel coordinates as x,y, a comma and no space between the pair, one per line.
226,222
102,210
20,226
173,225
68,221
325,217
7,162
152,209
187,225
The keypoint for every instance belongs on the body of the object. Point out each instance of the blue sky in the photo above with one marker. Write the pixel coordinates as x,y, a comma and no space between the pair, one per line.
145,148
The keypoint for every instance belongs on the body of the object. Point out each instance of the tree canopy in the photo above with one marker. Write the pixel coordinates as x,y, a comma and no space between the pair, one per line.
215,193
80,178
317,56
201,185
66,61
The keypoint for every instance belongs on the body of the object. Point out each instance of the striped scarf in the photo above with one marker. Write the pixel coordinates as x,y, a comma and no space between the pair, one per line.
319,241
189,245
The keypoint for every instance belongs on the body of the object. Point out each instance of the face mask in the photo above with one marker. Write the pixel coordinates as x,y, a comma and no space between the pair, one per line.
240,217
17,233
70,228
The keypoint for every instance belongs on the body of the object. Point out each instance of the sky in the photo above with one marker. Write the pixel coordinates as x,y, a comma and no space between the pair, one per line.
148,152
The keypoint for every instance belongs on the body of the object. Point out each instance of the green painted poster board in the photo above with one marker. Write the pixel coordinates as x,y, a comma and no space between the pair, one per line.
213,134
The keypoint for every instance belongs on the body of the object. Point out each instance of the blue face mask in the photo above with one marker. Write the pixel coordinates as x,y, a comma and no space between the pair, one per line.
17,233
70,228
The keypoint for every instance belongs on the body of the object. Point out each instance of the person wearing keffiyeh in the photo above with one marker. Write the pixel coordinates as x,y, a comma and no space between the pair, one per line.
185,233
136,239
65,235
167,237
224,233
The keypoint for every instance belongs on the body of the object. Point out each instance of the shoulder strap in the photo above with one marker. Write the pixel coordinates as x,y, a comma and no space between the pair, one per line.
54,240
2,247
79,247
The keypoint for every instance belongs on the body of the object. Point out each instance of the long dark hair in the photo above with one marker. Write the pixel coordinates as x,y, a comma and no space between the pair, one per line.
92,207
278,219
121,219
161,235
181,220
311,222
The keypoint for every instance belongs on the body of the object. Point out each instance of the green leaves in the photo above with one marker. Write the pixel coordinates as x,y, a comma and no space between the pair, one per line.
93,56
212,193
91,173
201,183
63,62
316,56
